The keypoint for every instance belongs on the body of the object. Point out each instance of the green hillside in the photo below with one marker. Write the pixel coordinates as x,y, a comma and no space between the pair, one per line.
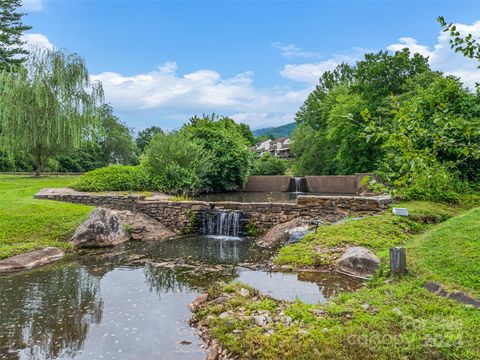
276,132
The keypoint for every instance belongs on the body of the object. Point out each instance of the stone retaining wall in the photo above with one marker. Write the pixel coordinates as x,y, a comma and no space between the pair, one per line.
324,184
268,183
181,215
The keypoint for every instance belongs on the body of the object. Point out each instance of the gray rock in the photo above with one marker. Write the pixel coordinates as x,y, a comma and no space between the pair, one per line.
463,298
397,311
297,233
244,292
277,234
458,296
260,320
224,315
102,228
30,260
358,261
143,227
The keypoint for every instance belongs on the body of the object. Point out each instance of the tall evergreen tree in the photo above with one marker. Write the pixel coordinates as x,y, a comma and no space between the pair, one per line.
12,52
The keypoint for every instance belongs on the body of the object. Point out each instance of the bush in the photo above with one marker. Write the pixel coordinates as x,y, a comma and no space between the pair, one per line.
177,164
231,161
115,178
270,165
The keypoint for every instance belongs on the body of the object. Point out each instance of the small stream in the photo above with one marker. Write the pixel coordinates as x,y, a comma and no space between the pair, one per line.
130,302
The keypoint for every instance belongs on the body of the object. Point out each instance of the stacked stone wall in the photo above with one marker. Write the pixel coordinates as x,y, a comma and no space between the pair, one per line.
181,215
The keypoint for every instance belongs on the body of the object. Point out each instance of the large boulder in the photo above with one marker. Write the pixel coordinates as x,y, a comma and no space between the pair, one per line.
102,228
297,233
30,260
358,261
277,235
143,227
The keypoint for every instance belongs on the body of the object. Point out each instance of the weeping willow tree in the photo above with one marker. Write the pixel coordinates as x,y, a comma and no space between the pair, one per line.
49,107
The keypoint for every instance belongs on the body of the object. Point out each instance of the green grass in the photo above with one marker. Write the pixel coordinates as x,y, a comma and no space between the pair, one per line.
399,320
450,253
27,224
377,233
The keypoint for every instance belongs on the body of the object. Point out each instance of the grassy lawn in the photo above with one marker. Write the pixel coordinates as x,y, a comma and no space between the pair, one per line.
28,224
387,319
450,253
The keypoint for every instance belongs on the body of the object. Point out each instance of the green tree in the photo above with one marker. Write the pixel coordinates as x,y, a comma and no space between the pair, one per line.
115,139
329,138
431,146
231,161
247,134
268,164
465,44
177,164
49,108
145,137
12,51
382,75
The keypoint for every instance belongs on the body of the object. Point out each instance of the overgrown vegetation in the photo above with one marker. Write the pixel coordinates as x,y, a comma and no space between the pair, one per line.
27,224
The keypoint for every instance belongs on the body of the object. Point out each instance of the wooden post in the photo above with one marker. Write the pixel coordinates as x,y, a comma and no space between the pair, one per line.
398,261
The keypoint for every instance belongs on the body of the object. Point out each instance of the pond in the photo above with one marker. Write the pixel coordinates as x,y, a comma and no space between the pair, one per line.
132,302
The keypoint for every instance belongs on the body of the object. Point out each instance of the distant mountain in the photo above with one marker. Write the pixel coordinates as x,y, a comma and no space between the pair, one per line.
277,132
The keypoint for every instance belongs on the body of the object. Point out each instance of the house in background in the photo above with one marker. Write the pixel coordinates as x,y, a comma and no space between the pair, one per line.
279,148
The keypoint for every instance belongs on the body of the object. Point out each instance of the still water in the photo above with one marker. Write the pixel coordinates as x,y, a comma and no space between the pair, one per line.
132,302
288,197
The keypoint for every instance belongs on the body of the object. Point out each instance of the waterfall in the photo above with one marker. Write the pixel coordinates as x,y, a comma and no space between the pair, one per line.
298,184
220,223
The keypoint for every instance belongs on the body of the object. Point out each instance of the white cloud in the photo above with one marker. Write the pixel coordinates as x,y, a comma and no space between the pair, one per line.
38,40
32,5
308,73
412,44
443,58
173,96
311,72
290,51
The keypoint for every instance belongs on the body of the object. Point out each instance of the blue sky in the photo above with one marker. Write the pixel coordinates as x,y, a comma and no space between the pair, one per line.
161,62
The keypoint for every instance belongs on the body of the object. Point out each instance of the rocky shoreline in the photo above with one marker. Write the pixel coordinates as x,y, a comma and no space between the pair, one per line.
235,307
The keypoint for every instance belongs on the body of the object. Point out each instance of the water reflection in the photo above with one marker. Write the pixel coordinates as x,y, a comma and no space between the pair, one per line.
131,302
250,196
310,287
46,314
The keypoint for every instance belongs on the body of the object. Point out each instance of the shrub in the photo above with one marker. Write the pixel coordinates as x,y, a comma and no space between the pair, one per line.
270,165
177,164
231,161
115,178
